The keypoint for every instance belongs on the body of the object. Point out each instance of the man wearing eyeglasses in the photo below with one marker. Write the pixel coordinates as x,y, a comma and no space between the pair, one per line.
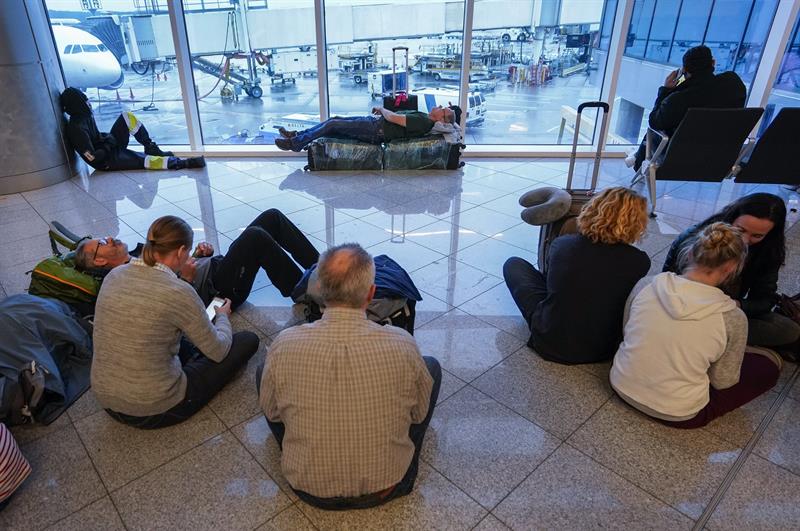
271,242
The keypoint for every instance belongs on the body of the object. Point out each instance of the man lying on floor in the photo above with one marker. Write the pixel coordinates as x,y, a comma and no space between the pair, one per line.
109,151
383,126
263,244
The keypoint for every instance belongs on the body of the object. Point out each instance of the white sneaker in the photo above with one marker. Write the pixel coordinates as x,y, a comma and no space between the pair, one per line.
630,160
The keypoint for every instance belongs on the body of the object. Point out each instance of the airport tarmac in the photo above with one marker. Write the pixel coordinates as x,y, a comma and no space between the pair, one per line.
515,113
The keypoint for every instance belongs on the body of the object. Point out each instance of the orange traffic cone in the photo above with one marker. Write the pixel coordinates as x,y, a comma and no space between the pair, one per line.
131,89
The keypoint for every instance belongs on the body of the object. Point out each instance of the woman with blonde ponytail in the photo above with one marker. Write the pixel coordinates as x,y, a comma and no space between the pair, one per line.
683,359
158,359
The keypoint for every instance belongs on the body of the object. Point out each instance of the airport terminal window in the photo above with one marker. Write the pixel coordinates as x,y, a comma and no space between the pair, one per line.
123,59
360,38
747,56
692,22
255,69
735,30
786,89
532,79
607,25
641,18
662,30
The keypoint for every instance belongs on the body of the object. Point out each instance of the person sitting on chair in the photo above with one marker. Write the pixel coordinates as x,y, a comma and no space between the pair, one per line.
109,151
383,126
694,85
575,312
263,244
348,400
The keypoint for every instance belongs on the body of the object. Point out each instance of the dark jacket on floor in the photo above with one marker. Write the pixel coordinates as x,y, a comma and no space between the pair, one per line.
756,288
722,91
580,320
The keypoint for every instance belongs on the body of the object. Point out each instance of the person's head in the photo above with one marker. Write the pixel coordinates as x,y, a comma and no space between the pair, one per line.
442,114
615,215
718,252
698,60
761,218
100,253
74,102
169,241
346,276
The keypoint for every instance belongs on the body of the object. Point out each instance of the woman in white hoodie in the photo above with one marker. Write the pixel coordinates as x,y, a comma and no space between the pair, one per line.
683,358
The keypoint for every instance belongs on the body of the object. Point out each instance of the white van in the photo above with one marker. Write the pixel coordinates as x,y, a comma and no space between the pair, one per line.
428,98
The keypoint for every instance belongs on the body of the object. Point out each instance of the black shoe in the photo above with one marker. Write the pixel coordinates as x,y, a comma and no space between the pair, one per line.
285,144
286,134
154,150
196,162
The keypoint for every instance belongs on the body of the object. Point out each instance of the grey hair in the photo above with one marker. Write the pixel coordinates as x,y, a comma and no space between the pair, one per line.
346,274
82,258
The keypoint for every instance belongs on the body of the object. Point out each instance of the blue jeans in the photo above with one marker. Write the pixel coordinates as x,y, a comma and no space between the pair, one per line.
364,128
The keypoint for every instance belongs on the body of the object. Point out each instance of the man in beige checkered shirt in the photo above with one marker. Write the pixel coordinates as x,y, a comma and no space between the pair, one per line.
348,400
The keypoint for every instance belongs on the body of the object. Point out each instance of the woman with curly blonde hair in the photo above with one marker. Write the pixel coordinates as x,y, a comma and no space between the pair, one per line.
575,311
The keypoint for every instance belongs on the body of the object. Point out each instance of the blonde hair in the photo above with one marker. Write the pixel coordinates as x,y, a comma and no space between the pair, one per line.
615,215
714,246
165,235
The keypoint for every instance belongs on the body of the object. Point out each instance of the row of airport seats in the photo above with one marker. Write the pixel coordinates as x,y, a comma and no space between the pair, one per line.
710,145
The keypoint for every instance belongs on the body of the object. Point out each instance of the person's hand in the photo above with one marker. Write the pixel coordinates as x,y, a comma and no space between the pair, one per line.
672,79
188,270
376,110
224,309
203,250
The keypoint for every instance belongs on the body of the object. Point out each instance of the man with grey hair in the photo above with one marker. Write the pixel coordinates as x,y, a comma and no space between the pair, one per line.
348,400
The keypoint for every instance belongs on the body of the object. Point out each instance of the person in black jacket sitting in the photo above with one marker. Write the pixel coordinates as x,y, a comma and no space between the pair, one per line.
575,311
762,218
694,85
109,151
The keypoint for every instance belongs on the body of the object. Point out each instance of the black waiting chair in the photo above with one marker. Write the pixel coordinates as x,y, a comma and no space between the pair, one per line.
770,159
705,147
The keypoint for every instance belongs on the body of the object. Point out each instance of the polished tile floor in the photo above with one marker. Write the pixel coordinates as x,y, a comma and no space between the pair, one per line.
515,442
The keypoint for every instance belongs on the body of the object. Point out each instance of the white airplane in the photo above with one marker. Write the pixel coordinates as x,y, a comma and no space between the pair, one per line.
86,61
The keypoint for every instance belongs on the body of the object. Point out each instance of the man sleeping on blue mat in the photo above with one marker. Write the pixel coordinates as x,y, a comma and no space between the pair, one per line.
382,126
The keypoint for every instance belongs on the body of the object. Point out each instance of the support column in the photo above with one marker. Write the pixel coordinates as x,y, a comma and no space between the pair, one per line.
33,152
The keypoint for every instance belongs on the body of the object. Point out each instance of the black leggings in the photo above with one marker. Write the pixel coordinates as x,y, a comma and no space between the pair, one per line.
416,433
264,243
204,379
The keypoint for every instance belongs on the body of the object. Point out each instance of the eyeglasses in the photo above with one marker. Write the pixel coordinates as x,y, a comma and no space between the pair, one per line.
100,242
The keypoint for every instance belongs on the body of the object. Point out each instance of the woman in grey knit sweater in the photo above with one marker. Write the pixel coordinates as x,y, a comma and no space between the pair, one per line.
157,357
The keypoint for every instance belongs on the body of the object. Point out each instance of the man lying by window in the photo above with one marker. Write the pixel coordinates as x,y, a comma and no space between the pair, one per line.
382,126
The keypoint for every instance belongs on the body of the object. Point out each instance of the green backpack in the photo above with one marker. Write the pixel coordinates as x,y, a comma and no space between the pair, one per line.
56,277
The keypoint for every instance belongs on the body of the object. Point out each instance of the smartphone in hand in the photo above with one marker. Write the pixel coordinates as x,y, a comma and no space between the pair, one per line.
216,303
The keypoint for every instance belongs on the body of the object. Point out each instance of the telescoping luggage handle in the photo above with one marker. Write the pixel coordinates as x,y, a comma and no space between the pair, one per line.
588,104
394,69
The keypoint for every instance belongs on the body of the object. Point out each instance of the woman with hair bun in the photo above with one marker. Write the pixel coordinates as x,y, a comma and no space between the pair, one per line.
575,311
158,359
761,218
683,358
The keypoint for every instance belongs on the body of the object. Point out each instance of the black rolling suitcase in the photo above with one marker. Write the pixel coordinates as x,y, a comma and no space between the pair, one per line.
568,224
400,100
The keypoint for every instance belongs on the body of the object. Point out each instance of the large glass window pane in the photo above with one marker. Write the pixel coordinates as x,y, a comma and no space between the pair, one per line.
748,54
735,30
607,25
361,36
123,58
786,90
255,68
533,78
639,29
692,22
662,29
